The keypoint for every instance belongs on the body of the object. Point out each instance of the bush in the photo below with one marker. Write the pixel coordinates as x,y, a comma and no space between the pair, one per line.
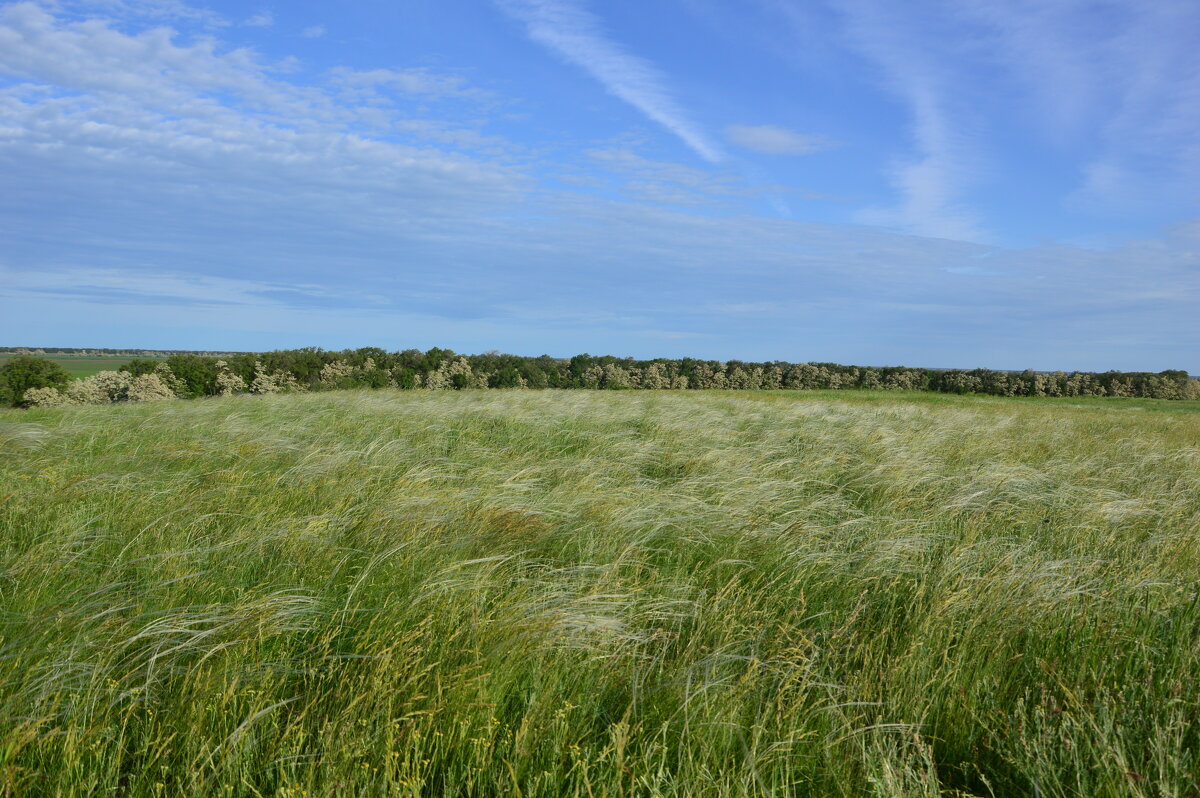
108,386
148,388
25,372
46,397
228,383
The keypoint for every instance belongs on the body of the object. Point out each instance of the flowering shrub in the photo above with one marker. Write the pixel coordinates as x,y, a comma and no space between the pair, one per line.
228,383
455,373
336,374
46,397
103,388
109,386
654,377
274,382
148,388
593,377
175,385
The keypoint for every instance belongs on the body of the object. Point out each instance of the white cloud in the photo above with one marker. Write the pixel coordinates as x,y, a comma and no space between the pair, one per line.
190,289
96,108
147,69
1113,92
575,35
140,10
774,140
666,183
146,82
160,181
933,186
313,32
263,19
1119,89
408,81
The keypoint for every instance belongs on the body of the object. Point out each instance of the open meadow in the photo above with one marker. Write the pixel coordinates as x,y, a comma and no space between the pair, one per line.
83,366
580,593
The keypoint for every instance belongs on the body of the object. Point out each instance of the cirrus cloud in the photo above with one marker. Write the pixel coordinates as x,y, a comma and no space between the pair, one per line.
775,140
574,34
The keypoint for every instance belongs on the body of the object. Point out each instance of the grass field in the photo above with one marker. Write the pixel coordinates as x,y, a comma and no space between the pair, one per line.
601,594
79,367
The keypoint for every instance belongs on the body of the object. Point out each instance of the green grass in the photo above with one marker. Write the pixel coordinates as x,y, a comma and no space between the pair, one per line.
80,367
601,594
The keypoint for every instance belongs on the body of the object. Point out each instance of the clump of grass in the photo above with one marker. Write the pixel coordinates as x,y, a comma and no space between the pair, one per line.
578,593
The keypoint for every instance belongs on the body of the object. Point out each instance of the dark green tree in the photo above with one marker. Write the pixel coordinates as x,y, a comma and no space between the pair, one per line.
139,366
24,372
405,377
506,377
199,373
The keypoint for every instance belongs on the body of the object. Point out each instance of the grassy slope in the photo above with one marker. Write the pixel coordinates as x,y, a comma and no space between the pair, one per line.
577,593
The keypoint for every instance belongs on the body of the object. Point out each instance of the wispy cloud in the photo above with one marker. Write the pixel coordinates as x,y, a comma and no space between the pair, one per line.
1110,90
576,36
170,189
932,187
775,140
150,286
313,32
408,81
140,10
207,145
673,184
263,19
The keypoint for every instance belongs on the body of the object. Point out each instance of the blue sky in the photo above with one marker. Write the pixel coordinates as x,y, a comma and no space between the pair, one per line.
1002,184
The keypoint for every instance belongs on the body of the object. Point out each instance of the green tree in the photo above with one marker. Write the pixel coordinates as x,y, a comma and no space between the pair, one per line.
24,372
139,366
506,377
405,377
198,373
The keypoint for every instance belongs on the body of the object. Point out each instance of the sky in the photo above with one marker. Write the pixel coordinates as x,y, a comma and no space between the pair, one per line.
941,183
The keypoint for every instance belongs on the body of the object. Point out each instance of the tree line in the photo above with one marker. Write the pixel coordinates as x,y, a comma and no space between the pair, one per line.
35,381
74,351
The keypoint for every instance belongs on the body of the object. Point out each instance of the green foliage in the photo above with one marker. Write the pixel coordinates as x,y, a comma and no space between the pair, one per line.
506,377
304,364
405,378
23,372
139,366
372,367
601,593
198,374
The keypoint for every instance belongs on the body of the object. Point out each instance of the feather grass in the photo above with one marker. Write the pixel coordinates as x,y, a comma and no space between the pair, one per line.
601,593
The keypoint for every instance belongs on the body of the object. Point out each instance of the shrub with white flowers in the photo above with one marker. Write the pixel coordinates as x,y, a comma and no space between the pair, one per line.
228,383
148,388
333,374
46,397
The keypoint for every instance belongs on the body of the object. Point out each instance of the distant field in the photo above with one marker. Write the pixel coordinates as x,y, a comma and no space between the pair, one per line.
578,593
80,367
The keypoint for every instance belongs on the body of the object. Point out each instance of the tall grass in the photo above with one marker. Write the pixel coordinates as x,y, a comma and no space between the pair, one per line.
601,594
